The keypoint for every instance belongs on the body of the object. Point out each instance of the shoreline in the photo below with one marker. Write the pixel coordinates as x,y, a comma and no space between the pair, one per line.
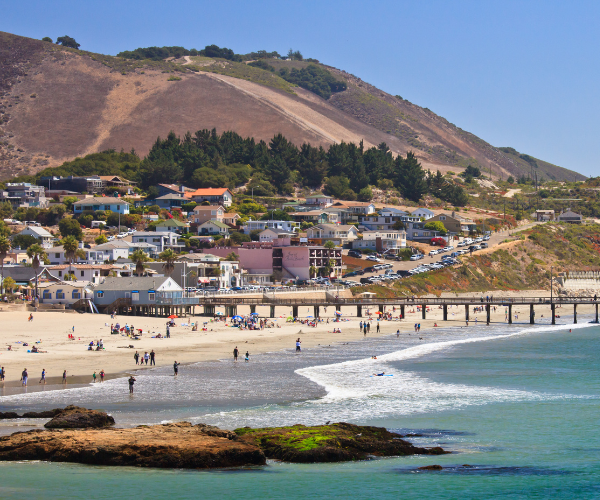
190,347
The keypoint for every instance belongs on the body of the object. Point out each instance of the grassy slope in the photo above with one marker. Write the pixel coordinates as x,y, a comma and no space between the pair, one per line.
545,169
522,265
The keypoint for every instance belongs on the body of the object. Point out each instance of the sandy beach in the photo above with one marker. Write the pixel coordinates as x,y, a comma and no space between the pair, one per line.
186,346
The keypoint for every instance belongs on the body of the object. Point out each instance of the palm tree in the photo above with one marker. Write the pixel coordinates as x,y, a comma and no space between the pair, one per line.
4,249
168,257
70,245
312,271
36,253
138,258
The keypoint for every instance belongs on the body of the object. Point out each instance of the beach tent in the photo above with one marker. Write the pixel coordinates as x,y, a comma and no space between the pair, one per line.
173,316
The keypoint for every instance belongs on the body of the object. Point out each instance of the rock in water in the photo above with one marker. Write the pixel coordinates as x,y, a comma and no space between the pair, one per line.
74,417
181,445
330,443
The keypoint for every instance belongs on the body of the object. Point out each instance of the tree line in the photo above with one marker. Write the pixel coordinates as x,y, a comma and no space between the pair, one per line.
208,159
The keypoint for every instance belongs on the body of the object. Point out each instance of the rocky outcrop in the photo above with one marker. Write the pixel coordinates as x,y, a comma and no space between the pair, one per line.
181,445
330,443
74,417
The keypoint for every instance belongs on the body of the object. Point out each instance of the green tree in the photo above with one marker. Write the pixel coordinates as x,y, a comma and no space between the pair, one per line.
232,256
47,39
511,179
70,245
276,215
139,257
312,271
5,247
101,239
6,210
9,283
169,257
24,241
70,227
239,238
365,194
436,226
410,177
67,41
36,253
68,202
329,244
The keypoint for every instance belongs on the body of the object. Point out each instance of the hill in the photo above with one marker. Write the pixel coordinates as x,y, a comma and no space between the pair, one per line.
58,103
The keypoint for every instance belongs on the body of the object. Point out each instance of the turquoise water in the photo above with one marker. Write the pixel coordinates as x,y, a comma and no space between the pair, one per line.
522,411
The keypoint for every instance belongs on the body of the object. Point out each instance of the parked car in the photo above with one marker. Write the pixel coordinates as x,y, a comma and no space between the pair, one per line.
417,256
372,258
433,252
355,253
484,245
350,274
369,269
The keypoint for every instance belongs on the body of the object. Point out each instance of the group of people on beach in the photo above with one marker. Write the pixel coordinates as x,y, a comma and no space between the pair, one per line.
236,353
151,356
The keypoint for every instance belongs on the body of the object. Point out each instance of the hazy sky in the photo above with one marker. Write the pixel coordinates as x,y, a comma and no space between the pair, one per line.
515,73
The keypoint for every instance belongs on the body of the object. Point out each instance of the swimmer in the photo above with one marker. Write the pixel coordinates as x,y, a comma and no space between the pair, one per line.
379,374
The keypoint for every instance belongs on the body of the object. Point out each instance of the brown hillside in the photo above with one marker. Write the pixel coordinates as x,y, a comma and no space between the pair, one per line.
57,104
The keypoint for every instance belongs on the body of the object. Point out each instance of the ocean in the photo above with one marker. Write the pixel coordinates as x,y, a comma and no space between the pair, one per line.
518,407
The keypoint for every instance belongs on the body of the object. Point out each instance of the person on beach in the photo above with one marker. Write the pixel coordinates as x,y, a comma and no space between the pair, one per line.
365,329
43,379
2,374
94,377
136,356
298,348
64,381
168,331
101,376
131,382
30,317
176,368
235,353
247,358
397,333
377,327
24,376
146,357
360,326
152,355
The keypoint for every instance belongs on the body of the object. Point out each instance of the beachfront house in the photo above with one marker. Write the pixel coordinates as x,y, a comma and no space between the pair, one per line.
65,292
172,225
570,217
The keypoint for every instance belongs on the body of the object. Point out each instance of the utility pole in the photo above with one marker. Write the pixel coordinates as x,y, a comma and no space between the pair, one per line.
551,294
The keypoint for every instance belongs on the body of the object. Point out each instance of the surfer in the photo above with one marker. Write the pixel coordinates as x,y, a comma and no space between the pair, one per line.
379,374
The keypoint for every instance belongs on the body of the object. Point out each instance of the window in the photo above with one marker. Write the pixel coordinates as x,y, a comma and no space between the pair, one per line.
127,295
106,207
57,255
46,295
59,274
82,273
99,294
151,296
135,296
60,294
442,217
76,294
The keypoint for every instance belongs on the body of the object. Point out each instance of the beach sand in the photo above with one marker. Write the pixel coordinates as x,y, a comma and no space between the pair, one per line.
185,346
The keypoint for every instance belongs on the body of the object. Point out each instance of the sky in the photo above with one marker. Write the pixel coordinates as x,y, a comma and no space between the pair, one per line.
515,73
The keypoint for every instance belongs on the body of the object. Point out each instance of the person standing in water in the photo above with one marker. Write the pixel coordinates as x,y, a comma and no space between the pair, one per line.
131,382
235,353
2,374
43,379
298,348
64,381
247,356
24,377
176,368
94,377
101,375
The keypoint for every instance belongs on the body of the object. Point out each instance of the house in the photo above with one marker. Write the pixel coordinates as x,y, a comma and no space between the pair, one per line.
270,234
261,225
315,216
350,211
381,241
319,199
141,291
392,212
88,184
162,240
24,194
415,231
339,234
17,257
44,237
213,227
203,213
423,213
26,275
105,203
92,273
164,189
570,217
115,181
544,215
216,196
65,292
231,218
172,225
111,251
165,202
454,223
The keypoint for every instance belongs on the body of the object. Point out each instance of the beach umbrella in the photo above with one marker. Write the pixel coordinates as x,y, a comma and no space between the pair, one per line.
339,313
253,314
378,312
309,316
219,313
289,317
238,318
173,316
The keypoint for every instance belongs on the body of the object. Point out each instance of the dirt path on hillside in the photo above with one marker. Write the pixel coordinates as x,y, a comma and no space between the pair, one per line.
294,110
511,192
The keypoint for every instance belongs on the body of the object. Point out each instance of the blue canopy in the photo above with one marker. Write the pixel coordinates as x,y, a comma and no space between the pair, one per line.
237,318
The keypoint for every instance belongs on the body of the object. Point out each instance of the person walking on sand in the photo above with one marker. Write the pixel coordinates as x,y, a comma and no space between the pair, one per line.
94,377
64,381
136,356
176,368
247,356
168,331
152,355
24,377
378,327
360,326
101,376
30,317
146,357
43,379
131,382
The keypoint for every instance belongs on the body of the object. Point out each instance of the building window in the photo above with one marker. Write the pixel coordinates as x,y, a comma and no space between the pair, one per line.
99,294
76,294
57,255
442,217
46,295
59,274
151,296
60,294
106,207
82,273
135,296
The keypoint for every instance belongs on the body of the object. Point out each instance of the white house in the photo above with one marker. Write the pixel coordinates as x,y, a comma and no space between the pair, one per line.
338,233
381,241
270,234
212,227
65,292
261,225
424,213
86,272
162,240
105,203
44,237
319,199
